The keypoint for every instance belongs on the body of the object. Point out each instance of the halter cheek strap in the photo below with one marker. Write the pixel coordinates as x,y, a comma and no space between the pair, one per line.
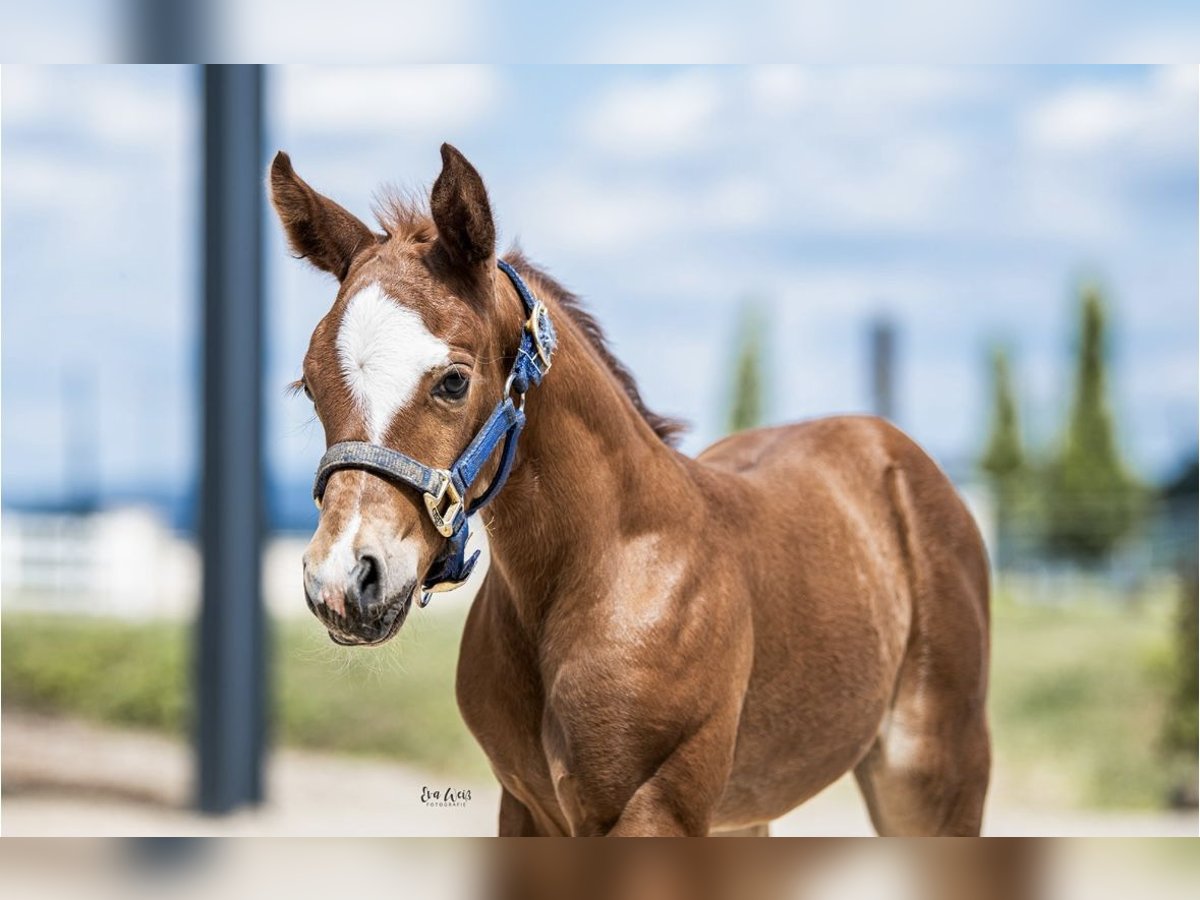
445,490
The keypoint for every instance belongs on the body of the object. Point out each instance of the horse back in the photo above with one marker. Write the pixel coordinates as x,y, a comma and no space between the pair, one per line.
861,467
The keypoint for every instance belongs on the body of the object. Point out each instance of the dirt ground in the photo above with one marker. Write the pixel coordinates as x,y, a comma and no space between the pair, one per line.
65,777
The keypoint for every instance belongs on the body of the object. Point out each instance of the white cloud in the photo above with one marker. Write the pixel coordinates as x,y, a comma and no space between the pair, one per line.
50,183
663,38
365,30
566,210
27,90
910,183
108,141
64,30
655,116
737,202
872,93
417,100
113,108
1085,147
668,196
1069,205
826,148
818,30
941,31
1085,118
778,88
1154,43
572,212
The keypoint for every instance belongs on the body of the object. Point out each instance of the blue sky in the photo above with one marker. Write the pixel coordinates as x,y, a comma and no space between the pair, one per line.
624,31
965,203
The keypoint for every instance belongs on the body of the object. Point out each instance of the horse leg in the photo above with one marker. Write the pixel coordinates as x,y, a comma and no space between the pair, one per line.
679,797
927,772
652,812
515,818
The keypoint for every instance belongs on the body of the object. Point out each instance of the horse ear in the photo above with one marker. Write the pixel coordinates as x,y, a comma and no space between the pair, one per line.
321,231
461,211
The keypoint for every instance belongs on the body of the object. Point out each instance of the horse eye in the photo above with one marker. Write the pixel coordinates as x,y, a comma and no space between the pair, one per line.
454,385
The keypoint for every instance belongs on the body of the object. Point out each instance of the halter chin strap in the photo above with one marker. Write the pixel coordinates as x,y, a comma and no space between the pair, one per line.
445,490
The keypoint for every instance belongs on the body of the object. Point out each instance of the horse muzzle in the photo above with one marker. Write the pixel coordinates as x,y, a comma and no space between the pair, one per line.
377,632
353,606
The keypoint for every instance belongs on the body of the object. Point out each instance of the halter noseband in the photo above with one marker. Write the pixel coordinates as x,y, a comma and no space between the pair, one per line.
445,490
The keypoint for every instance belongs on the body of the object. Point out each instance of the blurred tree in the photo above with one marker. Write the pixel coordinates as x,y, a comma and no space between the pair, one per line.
1003,461
746,404
1180,732
1092,500
1180,735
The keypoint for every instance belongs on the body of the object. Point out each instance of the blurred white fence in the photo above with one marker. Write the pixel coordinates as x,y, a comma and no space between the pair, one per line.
124,562
128,562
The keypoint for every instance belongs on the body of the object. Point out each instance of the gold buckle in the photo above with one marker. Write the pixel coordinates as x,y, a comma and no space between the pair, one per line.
531,325
443,520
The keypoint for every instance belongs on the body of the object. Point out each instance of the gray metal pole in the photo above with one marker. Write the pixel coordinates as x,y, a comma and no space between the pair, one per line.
883,365
168,31
231,666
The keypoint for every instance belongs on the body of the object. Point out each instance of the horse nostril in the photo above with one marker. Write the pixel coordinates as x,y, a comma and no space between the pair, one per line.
312,587
364,584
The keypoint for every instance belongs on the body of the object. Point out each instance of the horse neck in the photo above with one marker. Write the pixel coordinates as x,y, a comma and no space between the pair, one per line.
588,469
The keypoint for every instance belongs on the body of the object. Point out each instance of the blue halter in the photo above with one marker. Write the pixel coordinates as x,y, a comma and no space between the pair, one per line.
445,490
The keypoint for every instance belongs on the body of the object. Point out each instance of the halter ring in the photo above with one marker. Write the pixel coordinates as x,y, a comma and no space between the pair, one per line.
508,386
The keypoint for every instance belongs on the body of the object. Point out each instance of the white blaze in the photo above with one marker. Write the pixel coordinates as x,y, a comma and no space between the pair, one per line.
384,350
333,572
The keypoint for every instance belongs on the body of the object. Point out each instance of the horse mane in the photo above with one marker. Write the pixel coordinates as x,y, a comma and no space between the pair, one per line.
403,216
667,428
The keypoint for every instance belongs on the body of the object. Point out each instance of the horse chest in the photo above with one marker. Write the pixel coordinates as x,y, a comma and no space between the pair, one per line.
506,721
548,750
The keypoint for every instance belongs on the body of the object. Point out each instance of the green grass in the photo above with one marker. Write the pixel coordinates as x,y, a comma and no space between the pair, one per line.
1078,692
1077,700
105,669
395,702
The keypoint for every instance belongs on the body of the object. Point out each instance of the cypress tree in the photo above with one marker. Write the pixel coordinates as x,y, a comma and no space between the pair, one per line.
1003,460
1092,500
746,404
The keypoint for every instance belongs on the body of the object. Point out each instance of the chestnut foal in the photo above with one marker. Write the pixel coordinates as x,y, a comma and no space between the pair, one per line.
662,645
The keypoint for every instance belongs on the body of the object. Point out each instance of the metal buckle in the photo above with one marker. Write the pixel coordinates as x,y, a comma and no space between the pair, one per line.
443,520
531,325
